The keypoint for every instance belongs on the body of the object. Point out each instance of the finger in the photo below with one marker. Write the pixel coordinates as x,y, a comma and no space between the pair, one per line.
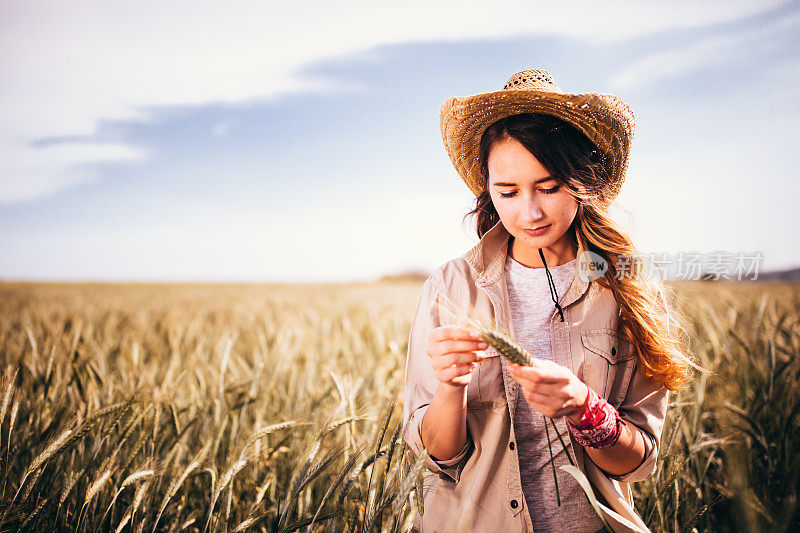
449,346
453,332
537,374
547,405
527,384
453,372
544,385
539,406
550,368
547,364
453,346
456,358
554,390
547,390
543,404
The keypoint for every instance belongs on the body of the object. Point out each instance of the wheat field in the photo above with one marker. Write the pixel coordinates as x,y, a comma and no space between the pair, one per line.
143,407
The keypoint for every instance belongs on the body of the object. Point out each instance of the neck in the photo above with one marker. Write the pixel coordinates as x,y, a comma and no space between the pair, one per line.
561,252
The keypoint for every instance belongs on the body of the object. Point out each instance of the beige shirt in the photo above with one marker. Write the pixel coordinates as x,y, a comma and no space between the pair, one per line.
480,488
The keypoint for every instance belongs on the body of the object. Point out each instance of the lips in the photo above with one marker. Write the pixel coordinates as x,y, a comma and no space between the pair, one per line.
541,230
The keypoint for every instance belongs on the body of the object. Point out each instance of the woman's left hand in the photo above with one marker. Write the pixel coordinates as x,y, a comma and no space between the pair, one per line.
552,389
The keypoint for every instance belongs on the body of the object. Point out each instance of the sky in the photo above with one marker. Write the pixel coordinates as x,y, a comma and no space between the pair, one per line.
299,141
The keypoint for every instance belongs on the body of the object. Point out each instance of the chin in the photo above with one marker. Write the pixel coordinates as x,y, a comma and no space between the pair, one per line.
542,241
536,242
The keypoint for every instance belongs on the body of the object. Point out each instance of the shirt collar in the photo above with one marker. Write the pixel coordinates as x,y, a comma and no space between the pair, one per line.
488,258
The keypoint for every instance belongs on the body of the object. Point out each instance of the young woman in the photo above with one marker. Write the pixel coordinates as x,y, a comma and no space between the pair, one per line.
553,270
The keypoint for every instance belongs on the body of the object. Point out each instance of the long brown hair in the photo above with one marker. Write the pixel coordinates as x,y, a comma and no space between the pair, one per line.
648,317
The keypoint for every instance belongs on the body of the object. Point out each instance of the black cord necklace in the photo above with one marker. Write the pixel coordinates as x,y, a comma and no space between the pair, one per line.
551,283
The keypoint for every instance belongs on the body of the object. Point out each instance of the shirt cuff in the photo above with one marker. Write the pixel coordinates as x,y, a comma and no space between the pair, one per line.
448,469
648,464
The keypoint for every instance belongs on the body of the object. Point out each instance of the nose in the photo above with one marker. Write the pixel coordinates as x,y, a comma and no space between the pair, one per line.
534,210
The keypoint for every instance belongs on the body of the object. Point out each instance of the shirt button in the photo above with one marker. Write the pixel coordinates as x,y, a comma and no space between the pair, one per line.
513,504
510,445
613,350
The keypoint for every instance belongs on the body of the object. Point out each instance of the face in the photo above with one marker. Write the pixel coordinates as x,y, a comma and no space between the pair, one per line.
526,197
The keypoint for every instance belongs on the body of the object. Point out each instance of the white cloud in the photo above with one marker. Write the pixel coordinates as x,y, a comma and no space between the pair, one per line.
30,171
67,65
714,50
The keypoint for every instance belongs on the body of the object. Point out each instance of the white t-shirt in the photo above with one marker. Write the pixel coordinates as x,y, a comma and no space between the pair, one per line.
531,308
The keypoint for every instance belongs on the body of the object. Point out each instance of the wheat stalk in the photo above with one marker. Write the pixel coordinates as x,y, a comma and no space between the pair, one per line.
137,500
507,347
176,484
263,432
228,476
245,524
137,476
55,446
191,519
9,391
95,487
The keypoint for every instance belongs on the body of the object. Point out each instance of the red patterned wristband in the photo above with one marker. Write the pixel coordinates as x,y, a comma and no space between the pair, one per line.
600,426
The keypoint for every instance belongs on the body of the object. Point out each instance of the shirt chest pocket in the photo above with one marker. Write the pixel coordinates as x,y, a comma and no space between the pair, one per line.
609,363
486,390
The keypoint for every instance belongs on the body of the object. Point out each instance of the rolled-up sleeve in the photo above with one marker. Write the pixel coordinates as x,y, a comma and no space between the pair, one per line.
644,406
421,383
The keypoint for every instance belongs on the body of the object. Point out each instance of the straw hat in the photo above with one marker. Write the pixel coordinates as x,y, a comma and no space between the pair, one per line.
604,118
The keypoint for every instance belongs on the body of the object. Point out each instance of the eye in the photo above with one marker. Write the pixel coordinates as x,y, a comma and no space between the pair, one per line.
551,190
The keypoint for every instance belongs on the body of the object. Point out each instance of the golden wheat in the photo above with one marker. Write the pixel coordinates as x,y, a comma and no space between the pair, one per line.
327,358
506,347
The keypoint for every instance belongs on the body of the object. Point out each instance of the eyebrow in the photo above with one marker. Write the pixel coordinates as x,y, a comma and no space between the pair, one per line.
509,184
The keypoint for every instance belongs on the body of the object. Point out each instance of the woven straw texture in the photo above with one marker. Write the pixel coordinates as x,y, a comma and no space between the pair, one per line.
604,118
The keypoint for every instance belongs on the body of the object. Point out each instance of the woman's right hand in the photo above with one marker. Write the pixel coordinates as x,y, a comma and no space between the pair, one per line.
452,352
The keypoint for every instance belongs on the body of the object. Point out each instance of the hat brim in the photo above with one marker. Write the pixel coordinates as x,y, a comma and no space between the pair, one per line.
604,118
